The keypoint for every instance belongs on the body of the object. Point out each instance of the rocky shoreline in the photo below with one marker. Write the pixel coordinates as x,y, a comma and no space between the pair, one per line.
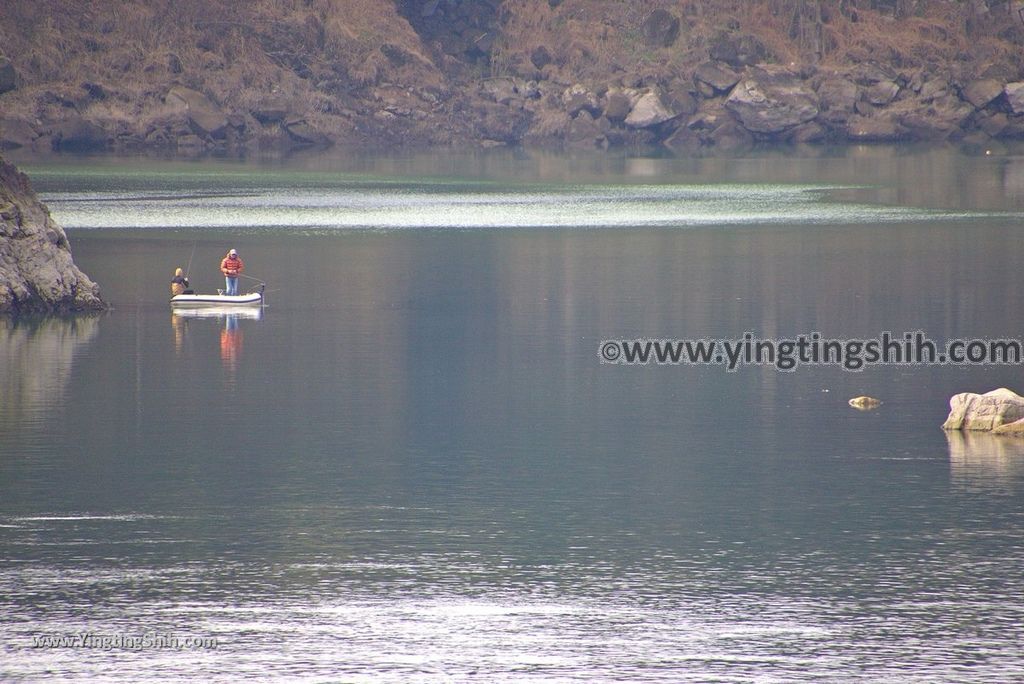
719,107
540,72
37,273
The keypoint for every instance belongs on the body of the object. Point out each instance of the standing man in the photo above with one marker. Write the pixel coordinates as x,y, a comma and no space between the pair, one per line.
231,266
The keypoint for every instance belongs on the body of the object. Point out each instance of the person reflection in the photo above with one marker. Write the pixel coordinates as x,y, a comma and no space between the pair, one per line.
179,325
230,342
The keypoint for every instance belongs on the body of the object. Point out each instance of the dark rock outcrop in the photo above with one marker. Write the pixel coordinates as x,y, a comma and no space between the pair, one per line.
37,274
78,134
660,28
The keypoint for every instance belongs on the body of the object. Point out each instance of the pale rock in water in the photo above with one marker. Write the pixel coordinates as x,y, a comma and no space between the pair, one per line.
865,403
989,411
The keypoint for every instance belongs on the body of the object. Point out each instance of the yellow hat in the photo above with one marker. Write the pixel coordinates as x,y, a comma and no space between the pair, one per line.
177,271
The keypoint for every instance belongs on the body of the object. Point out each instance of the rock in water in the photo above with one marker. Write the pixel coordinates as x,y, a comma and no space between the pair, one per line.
865,403
969,411
37,273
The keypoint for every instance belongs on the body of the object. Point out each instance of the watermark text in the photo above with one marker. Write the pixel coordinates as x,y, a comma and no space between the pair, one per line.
787,354
146,641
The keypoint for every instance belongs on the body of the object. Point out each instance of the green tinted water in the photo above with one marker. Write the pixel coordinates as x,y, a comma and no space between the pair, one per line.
412,466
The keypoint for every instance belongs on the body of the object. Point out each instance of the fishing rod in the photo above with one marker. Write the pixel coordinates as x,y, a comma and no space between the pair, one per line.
188,268
242,275
263,285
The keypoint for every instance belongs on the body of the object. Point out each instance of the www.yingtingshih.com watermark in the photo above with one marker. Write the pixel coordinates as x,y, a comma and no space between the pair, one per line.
125,642
787,354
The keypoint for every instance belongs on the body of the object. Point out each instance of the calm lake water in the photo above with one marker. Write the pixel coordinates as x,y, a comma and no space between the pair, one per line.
413,467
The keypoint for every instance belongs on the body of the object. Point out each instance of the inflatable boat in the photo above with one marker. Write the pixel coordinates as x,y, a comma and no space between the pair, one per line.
217,300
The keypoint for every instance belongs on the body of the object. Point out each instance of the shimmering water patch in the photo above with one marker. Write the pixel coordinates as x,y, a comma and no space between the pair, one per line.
413,206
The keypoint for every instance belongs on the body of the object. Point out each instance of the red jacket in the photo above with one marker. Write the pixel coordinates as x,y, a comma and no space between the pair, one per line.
231,266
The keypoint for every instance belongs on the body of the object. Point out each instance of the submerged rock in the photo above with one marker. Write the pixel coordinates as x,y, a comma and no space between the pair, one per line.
37,273
864,403
989,411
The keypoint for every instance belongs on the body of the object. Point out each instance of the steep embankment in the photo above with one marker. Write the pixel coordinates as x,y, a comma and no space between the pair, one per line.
196,75
37,273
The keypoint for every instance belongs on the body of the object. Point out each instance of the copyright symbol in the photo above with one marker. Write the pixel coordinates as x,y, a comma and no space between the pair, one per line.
610,352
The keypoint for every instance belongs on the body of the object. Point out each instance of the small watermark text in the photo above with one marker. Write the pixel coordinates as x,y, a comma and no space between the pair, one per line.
812,349
147,641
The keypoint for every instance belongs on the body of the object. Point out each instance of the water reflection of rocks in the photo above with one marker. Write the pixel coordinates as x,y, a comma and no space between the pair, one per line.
36,358
981,460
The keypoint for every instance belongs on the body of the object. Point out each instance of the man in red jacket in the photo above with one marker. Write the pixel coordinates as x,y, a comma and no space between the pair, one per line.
231,266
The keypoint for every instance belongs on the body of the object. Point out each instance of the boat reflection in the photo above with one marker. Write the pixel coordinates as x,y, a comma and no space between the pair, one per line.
230,334
254,313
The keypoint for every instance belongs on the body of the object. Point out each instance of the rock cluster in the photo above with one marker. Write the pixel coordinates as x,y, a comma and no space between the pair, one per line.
37,274
447,72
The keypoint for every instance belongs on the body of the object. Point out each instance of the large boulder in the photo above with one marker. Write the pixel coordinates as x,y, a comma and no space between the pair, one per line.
619,102
881,93
715,78
540,57
578,97
205,117
982,91
649,111
1015,96
933,120
660,28
772,102
37,273
302,133
934,89
837,98
970,411
679,98
8,76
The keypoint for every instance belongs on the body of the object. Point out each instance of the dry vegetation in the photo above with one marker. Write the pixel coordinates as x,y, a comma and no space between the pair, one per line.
598,37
